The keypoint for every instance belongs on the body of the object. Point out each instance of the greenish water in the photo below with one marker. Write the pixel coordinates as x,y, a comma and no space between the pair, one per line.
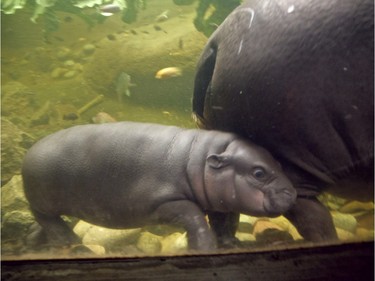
48,75
137,49
55,68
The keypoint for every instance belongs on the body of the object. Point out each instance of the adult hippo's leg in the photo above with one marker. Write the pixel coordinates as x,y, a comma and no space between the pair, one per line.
312,220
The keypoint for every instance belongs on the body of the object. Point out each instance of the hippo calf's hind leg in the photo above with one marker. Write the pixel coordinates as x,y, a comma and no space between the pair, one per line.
57,231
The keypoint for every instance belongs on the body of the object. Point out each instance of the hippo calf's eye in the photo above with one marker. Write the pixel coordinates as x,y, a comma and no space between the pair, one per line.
259,173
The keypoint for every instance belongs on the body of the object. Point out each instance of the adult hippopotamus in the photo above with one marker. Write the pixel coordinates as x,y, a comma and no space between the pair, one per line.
126,175
296,77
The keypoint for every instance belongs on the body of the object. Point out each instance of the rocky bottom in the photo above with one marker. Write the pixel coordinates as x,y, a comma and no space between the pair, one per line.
354,221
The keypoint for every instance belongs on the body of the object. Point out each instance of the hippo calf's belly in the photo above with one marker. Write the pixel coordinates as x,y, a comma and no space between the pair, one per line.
273,73
126,174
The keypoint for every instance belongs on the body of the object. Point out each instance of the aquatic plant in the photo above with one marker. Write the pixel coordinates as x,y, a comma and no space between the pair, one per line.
47,8
10,6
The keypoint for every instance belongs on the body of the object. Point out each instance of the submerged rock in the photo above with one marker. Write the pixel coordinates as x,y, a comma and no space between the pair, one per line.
149,243
12,196
286,225
344,235
332,202
14,144
88,49
366,220
16,218
245,236
251,227
263,224
41,116
354,207
344,221
17,100
174,243
103,117
15,224
97,249
64,53
268,232
273,236
70,74
69,63
111,239
58,72
364,234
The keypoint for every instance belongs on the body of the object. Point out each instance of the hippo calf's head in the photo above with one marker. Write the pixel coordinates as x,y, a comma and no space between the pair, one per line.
245,178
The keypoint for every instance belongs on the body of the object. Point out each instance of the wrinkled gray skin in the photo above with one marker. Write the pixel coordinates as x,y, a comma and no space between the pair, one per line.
296,77
126,175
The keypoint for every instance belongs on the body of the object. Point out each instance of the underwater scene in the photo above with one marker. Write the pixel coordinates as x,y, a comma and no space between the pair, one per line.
76,62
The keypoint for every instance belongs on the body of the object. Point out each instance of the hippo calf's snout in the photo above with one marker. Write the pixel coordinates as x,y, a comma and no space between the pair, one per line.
279,200
126,175
279,194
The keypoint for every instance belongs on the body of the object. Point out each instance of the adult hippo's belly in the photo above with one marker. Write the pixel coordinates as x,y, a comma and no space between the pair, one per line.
297,78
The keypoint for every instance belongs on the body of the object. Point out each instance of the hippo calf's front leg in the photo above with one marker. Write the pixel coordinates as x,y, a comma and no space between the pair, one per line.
189,216
225,226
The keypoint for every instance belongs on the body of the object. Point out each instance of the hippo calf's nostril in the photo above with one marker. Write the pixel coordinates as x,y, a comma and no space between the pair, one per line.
287,192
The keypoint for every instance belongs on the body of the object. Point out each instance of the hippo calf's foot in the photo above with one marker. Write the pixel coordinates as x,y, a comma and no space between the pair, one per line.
56,230
35,236
225,227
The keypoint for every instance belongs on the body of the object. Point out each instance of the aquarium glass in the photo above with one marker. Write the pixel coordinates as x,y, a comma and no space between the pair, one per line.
67,63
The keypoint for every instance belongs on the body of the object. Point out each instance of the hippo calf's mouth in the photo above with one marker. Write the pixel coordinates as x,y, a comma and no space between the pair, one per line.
277,202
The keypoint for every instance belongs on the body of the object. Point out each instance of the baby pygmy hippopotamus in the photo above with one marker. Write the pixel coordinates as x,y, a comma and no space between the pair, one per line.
127,175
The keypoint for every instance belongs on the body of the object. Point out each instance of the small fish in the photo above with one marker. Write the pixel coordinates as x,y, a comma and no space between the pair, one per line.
123,84
103,117
168,73
59,38
157,27
214,25
109,9
70,116
111,37
181,44
162,17
68,19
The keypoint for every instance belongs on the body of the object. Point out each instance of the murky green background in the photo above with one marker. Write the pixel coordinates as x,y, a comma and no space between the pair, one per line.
64,77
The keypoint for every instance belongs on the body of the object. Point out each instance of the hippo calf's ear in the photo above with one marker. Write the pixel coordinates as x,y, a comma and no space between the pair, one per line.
218,161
